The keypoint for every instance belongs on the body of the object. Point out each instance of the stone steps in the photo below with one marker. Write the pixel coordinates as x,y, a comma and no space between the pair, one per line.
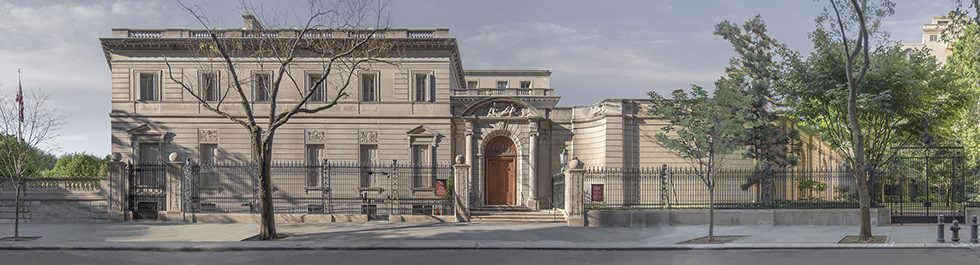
513,214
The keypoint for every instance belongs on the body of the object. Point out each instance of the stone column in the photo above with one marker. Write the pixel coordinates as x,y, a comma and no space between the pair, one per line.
118,187
574,207
175,188
469,154
461,189
532,172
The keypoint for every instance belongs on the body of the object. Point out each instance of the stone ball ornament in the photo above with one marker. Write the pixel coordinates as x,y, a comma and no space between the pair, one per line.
460,159
173,157
116,157
576,164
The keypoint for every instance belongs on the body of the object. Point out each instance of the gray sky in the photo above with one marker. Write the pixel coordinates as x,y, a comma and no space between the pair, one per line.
595,49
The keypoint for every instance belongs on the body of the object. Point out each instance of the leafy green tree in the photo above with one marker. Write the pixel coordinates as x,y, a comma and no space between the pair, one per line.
904,95
704,129
759,64
964,62
78,165
37,160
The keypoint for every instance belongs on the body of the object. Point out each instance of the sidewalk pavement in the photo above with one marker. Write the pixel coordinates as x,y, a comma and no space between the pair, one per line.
163,236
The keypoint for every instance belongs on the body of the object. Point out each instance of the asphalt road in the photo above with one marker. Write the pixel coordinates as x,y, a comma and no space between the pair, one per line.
428,257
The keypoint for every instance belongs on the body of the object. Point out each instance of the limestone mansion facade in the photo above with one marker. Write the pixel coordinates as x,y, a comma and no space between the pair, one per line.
507,124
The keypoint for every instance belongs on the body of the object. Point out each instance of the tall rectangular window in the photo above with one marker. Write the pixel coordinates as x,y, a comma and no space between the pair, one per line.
525,84
148,86
208,157
149,153
315,86
933,37
313,152
368,155
369,88
421,88
421,162
263,83
472,84
502,84
208,154
209,86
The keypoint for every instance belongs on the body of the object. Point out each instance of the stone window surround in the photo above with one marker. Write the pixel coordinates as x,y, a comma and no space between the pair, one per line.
430,93
255,89
307,85
477,82
530,84
137,90
200,82
360,83
506,86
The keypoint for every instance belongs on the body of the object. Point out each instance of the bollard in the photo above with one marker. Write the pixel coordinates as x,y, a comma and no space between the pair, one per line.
973,230
939,228
956,231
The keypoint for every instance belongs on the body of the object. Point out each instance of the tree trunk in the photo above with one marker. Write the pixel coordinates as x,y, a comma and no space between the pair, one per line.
860,172
262,154
711,214
17,186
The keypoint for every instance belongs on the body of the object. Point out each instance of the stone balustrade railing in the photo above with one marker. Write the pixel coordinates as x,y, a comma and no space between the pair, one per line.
56,184
504,92
280,33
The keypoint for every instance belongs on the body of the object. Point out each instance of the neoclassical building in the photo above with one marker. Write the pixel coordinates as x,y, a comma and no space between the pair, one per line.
507,124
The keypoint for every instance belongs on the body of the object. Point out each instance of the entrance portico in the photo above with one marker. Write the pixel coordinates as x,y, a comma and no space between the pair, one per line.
502,145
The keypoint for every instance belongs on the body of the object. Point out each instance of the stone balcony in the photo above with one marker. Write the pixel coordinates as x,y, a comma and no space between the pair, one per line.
280,33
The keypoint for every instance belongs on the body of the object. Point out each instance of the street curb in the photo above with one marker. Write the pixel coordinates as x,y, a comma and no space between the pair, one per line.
300,247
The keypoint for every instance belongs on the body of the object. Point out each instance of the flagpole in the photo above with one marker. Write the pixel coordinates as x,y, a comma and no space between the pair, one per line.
20,155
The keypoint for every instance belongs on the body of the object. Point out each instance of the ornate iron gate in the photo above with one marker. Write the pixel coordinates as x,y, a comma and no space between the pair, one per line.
923,182
147,189
558,190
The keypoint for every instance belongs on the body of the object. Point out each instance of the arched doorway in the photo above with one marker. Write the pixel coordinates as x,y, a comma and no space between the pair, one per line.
501,172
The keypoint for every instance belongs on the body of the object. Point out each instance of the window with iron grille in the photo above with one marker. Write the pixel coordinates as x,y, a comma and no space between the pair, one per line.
368,155
420,161
313,152
208,158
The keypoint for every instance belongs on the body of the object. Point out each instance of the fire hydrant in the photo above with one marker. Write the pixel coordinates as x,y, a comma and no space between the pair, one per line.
956,231
973,230
939,227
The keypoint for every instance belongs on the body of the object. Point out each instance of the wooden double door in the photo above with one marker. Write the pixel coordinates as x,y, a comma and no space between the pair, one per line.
501,172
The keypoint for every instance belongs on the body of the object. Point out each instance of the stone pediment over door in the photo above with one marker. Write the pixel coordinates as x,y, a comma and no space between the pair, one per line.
149,132
423,133
501,108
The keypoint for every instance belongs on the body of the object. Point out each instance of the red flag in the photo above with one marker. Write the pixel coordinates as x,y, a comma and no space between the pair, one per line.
20,99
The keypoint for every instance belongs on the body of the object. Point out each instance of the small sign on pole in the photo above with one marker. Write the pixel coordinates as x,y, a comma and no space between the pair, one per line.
597,192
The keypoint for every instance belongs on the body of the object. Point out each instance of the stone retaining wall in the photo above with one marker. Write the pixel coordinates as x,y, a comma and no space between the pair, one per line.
656,217
293,218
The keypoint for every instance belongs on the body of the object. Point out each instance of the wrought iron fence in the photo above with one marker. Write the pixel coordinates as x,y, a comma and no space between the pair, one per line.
666,187
324,187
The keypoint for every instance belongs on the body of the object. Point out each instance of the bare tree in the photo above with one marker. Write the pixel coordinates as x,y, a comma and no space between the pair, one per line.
282,51
22,144
857,62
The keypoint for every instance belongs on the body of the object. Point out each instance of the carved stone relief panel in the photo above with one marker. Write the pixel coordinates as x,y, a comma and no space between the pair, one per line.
207,136
367,137
315,136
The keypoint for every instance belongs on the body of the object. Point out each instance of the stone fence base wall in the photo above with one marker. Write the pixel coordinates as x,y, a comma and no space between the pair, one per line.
654,217
293,218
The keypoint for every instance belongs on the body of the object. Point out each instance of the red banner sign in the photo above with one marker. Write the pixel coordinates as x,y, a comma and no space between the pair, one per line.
597,192
441,187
